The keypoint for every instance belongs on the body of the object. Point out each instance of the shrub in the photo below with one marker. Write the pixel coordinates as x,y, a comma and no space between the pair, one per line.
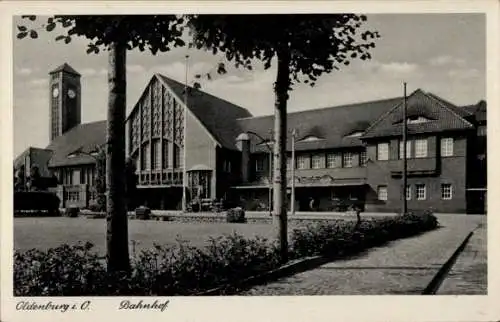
174,270
143,213
235,215
37,200
71,212
340,238
182,269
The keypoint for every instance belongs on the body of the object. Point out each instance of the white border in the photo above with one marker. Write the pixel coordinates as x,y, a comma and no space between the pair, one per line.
289,308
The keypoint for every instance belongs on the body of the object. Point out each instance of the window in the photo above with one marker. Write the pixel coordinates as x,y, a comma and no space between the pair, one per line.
178,157
334,160
156,155
420,191
421,148
146,157
347,159
303,162
447,147
259,164
363,159
355,134
383,151
408,149
417,120
382,192
318,161
227,166
408,192
289,163
166,161
446,191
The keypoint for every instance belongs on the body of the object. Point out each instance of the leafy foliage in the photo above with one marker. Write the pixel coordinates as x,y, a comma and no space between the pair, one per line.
236,215
316,44
341,238
156,33
183,269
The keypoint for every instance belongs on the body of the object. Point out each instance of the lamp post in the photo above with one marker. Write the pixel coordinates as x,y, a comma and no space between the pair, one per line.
292,194
270,197
184,173
405,180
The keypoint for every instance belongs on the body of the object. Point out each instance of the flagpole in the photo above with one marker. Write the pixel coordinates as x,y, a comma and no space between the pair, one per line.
184,176
405,179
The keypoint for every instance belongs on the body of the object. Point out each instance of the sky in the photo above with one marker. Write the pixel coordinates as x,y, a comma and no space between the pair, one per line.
441,53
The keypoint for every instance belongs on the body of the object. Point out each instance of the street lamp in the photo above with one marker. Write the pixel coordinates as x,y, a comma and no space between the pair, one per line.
292,195
270,197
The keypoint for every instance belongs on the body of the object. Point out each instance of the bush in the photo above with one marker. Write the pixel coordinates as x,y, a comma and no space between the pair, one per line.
340,238
143,213
182,269
71,212
175,270
235,215
37,200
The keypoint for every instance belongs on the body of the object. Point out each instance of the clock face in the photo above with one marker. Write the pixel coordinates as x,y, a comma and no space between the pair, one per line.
71,93
55,92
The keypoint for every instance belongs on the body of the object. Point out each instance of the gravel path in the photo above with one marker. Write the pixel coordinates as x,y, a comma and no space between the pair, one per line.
469,274
405,266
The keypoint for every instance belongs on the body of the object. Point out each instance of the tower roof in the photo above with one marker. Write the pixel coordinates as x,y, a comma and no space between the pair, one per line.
65,68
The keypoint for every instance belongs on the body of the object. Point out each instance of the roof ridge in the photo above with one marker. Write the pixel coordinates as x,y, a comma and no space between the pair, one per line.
324,108
204,92
449,109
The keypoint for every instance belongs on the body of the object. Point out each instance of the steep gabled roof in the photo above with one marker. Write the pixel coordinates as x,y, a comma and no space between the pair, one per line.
65,68
217,115
85,137
441,115
333,124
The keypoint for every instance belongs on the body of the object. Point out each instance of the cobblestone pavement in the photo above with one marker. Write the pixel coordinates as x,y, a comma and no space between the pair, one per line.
469,274
404,266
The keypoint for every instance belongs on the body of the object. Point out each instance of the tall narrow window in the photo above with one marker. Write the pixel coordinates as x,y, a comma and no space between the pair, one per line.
382,193
156,155
383,151
420,191
178,157
421,148
166,162
408,192
408,149
363,158
259,165
347,159
446,191
447,147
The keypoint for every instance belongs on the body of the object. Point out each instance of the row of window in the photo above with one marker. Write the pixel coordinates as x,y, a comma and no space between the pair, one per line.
322,161
418,146
151,156
420,192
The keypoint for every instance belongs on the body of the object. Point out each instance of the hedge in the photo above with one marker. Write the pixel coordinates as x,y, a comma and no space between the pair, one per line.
36,200
182,269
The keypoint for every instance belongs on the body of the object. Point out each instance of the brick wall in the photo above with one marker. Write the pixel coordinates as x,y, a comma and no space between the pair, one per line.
449,170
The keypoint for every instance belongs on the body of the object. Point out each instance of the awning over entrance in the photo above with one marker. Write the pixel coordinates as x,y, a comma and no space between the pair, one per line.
308,185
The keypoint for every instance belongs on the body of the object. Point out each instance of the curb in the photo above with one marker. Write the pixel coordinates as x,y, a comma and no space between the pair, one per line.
440,276
280,272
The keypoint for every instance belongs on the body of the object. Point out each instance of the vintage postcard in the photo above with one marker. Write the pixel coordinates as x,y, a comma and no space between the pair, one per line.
245,161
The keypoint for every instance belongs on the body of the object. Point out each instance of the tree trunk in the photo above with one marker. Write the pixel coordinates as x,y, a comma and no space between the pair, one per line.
117,230
279,173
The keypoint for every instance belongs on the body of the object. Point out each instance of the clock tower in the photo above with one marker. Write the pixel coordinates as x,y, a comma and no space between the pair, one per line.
65,100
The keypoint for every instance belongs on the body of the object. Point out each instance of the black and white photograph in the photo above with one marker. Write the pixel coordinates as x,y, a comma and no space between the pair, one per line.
167,157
